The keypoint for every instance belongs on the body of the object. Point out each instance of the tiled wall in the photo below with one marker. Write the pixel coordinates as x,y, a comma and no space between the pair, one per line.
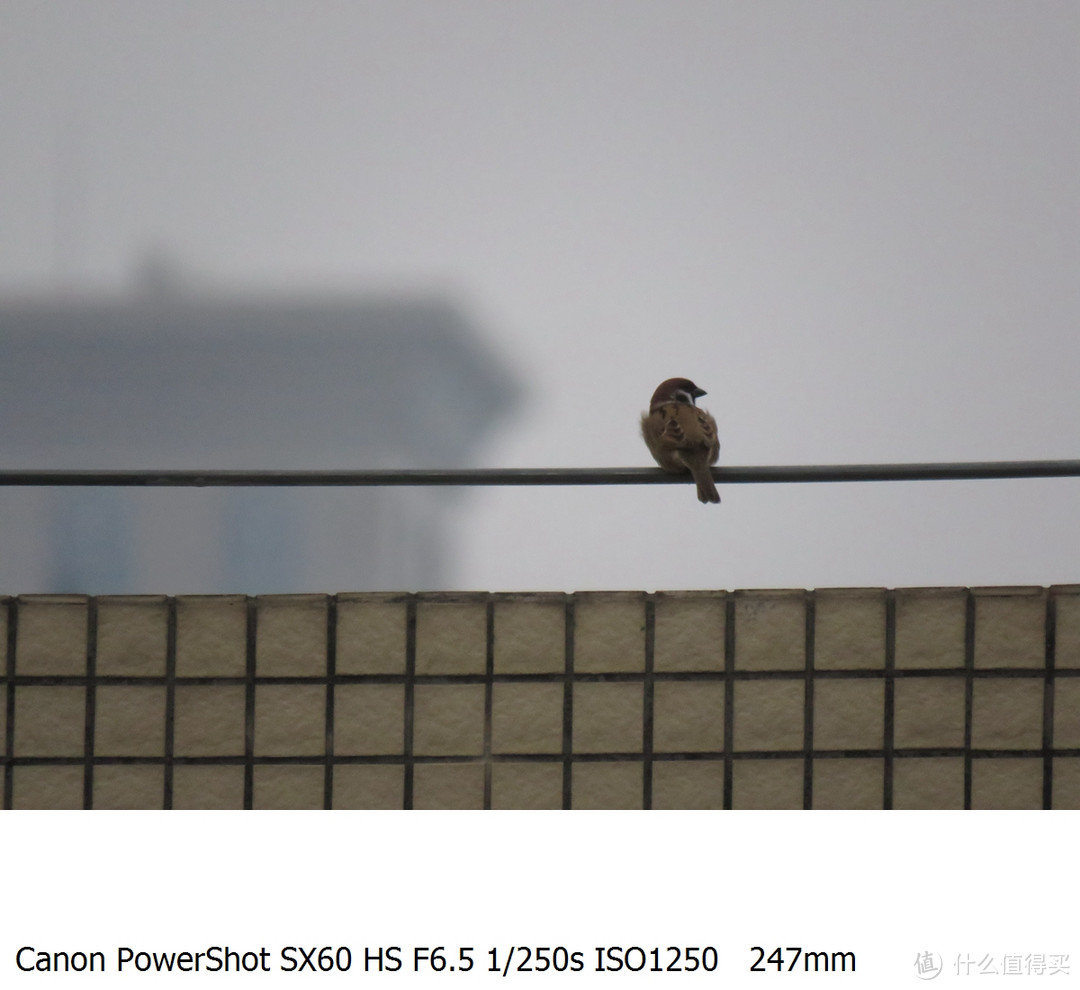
860,698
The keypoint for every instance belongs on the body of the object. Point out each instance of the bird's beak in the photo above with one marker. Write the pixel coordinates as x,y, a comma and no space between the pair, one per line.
699,392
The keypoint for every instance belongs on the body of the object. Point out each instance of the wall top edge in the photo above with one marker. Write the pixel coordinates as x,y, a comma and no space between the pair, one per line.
449,597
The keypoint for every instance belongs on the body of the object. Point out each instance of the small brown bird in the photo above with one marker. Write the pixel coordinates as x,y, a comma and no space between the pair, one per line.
680,436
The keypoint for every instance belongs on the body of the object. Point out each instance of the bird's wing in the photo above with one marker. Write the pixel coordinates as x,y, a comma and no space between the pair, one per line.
684,426
672,433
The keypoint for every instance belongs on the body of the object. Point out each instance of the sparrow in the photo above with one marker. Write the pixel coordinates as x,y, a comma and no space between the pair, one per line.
680,436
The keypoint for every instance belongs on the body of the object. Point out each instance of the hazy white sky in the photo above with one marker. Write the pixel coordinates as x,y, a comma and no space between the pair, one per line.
857,225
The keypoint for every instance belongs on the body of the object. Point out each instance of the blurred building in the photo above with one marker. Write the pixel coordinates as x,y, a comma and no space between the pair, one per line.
169,380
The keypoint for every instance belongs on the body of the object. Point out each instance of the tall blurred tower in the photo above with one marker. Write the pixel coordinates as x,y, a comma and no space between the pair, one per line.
168,379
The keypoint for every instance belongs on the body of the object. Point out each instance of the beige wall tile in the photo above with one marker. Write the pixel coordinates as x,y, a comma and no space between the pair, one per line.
132,634
369,787
51,636
1002,783
768,715
290,720
369,719
1007,713
288,787
849,784
1066,789
607,786
688,717
448,786
849,629
129,720
50,721
608,718
121,788
527,718
209,720
371,633
208,787
689,631
925,783
688,785
448,720
849,713
526,786
211,635
609,631
47,788
1067,626
929,712
530,634
767,784
1010,627
451,636
1067,712
608,715
930,624
290,635
770,630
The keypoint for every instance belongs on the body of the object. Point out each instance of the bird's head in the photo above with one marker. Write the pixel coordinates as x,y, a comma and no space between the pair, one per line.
676,390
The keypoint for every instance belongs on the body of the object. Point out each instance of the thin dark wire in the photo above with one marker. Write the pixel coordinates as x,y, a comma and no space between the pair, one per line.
789,474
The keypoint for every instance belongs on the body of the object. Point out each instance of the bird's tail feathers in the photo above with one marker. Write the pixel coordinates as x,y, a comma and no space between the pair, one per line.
706,489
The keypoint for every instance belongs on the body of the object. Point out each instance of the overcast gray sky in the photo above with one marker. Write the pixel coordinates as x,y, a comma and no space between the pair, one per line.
857,225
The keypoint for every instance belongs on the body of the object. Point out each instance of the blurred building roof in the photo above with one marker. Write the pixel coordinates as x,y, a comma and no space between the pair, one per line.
172,379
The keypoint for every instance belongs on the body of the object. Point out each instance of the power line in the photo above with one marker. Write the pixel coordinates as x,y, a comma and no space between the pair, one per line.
734,475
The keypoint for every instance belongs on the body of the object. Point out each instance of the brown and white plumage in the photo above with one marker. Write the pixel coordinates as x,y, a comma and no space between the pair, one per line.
680,436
